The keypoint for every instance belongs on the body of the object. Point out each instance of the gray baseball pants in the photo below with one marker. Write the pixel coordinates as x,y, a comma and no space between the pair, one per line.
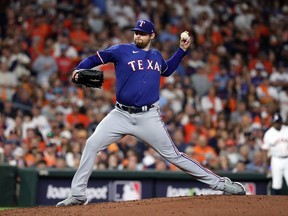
148,127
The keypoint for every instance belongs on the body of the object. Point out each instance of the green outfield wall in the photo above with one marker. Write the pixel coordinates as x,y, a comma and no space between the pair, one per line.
8,178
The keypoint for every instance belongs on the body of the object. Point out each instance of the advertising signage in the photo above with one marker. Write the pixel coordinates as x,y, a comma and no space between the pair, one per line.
52,190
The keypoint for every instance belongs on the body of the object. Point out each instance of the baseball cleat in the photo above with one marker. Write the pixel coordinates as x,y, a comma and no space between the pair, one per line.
70,201
234,188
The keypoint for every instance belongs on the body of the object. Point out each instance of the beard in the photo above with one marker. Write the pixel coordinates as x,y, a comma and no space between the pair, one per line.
141,44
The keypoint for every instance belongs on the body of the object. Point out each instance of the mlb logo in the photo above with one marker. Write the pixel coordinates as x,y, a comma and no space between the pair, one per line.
127,190
250,188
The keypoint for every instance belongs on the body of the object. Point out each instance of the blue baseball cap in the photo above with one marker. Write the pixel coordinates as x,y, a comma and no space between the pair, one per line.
145,26
276,118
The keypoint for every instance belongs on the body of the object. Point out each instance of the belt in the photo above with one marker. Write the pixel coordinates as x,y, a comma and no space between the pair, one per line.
133,109
282,156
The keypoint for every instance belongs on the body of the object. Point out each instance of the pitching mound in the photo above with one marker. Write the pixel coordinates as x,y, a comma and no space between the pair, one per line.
197,205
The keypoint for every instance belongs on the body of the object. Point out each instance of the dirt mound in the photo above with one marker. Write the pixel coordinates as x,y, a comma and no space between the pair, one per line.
195,205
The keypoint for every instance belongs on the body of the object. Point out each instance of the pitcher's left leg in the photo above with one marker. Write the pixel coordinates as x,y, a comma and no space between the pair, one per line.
153,131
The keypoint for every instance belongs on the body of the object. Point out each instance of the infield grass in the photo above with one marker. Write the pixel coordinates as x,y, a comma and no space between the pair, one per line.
5,208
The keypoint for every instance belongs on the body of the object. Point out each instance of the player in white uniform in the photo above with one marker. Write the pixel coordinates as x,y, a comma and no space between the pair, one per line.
275,144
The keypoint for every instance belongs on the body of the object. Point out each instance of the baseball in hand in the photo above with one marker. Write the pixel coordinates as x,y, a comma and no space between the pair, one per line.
184,35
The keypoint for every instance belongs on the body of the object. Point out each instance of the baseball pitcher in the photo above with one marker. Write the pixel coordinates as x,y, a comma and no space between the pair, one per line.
138,70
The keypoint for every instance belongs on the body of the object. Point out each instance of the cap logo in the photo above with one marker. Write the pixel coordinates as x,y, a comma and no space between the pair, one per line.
141,23
145,26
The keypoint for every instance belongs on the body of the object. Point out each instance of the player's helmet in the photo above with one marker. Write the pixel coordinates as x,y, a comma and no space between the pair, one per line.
277,118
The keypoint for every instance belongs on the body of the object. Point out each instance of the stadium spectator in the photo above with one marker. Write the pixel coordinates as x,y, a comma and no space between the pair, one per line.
20,61
200,81
172,94
202,150
238,114
279,77
230,156
44,67
50,156
60,163
283,102
211,104
266,93
8,82
257,164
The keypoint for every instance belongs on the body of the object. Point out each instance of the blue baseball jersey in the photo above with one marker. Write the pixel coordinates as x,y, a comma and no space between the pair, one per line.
137,71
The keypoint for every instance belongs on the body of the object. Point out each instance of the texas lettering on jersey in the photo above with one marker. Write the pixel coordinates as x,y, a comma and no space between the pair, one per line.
137,72
133,88
139,65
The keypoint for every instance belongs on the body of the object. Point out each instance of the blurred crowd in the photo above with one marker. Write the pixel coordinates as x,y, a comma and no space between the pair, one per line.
216,106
